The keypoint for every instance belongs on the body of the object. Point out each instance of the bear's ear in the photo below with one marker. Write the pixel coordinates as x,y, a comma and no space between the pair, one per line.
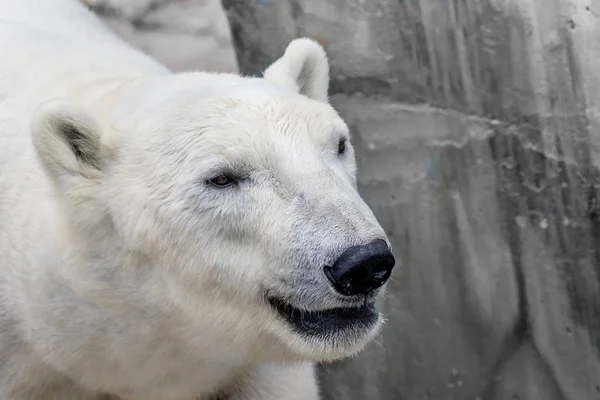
304,68
67,140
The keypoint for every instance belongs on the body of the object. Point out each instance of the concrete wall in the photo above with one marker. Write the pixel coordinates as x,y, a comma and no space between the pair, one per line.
476,126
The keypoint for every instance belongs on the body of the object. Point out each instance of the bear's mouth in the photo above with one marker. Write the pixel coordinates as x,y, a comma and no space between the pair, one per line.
328,321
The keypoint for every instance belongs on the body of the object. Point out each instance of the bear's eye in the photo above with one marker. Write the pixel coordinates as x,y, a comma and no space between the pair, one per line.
342,146
222,181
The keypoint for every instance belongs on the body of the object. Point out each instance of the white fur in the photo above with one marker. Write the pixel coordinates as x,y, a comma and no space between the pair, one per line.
121,271
303,68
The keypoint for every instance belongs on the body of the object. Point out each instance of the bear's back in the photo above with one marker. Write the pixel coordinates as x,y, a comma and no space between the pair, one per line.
48,49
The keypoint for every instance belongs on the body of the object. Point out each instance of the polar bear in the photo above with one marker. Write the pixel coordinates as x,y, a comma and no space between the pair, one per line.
173,236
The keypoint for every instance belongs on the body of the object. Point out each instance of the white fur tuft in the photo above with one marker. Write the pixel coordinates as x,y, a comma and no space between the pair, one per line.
66,139
304,68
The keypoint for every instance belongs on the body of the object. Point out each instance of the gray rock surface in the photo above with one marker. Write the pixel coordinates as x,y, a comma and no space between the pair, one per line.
476,127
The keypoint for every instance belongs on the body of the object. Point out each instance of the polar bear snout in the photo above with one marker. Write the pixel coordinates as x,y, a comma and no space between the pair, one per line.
361,269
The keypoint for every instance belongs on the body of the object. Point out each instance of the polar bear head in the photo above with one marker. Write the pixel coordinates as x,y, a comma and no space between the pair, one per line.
229,200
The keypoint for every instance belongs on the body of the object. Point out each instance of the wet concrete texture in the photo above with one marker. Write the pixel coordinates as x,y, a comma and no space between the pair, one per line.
476,127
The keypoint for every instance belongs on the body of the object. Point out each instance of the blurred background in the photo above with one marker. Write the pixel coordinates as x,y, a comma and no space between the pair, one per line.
476,124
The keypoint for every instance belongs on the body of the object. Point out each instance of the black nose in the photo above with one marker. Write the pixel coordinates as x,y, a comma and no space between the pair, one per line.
361,269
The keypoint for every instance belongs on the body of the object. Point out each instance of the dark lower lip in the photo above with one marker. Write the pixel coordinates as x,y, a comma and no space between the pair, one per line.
329,321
